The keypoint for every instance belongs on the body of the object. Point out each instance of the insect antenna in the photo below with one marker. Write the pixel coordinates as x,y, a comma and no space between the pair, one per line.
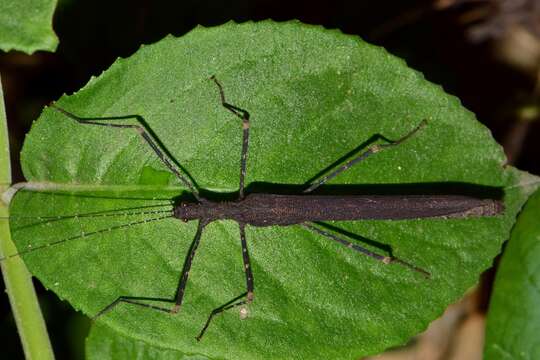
84,235
96,214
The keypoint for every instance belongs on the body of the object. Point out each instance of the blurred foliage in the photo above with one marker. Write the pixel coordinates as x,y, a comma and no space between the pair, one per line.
514,315
26,25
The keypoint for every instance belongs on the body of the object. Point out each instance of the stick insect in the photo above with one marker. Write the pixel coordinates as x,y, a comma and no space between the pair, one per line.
305,209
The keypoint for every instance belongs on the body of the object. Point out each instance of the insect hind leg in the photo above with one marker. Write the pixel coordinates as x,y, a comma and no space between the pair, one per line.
313,227
370,151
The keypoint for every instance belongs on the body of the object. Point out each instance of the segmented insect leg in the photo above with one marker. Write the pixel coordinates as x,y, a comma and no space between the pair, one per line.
177,301
187,266
244,115
249,285
147,137
370,151
384,259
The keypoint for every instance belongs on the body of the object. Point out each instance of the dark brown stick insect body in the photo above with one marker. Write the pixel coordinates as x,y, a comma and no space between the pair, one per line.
260,209
280,210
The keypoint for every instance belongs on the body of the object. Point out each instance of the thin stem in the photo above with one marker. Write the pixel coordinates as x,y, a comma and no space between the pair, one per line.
24,304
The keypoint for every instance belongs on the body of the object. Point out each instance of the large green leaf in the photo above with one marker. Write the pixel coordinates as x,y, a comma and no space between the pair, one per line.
514,316
314,95
26,25
104,343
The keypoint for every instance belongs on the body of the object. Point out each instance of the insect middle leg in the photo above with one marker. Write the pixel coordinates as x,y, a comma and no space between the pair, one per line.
177,300
244,299
244,116
370,151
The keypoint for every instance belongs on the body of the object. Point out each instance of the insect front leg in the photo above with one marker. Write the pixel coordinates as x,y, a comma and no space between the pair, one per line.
244,299
177,301
162,154
244,116
370,151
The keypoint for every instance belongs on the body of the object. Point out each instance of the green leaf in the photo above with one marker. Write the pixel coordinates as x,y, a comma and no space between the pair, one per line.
514,316
26,25
104,343
314,95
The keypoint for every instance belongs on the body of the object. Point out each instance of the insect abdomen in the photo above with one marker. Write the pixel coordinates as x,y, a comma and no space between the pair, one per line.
272,209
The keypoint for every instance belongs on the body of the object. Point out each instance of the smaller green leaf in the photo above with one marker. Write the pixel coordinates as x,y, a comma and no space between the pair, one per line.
105,343
26,25
514,315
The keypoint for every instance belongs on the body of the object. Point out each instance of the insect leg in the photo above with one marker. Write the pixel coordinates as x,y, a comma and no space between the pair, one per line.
244,115
363,250
247,263
187,266
147,137
177,301
239,300
370,151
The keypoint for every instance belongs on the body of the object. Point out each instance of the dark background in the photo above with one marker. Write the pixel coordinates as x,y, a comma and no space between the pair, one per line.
487,53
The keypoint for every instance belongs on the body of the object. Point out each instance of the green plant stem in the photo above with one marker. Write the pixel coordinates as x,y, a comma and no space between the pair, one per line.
19,287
